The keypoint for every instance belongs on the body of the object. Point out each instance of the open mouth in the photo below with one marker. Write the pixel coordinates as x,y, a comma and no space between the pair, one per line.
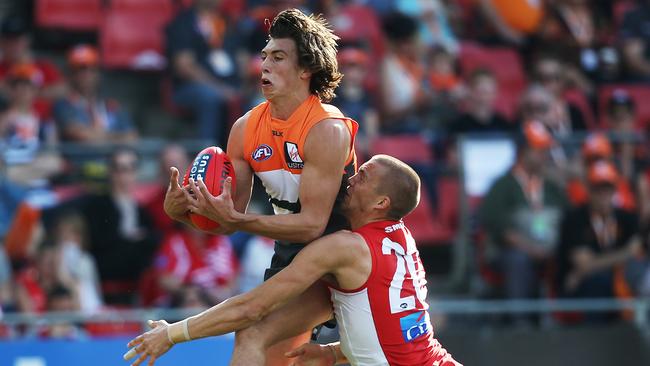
266,82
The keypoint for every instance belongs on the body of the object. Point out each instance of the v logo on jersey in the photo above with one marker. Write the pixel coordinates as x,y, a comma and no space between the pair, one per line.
293,159
414,325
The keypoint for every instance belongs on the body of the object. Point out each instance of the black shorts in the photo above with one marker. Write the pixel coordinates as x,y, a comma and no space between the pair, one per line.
282,256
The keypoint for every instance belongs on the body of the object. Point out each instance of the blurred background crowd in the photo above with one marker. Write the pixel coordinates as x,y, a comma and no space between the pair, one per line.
98,98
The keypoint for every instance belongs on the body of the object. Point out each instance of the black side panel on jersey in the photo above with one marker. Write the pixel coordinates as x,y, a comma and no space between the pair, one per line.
285,251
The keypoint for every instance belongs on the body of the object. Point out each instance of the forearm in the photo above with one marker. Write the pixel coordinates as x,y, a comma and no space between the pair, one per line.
606,261
298,228
225,317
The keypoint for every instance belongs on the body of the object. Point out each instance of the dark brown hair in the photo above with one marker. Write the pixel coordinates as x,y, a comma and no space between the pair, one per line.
401,184
316,47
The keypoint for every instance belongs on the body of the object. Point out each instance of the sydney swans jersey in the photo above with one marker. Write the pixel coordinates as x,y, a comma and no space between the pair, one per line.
385,321
274,150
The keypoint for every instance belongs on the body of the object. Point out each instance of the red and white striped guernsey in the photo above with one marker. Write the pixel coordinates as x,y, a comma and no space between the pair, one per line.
385,321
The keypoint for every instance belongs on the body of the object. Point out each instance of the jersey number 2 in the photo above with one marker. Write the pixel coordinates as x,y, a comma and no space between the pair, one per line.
404,263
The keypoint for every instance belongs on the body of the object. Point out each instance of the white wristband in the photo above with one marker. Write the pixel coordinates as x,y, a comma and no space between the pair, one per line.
186,331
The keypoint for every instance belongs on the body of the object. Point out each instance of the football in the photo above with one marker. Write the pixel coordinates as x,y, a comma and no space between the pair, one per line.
213,166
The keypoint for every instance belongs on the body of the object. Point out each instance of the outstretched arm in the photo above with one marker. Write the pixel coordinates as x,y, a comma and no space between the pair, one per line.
341,252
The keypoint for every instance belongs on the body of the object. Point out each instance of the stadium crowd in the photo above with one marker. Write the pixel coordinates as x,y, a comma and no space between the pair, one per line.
567,79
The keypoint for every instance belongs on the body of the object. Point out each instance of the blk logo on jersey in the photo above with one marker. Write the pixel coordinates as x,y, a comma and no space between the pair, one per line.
414,325
262,152
293,159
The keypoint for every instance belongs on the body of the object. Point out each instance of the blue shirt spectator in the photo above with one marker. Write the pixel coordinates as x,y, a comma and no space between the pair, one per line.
83,115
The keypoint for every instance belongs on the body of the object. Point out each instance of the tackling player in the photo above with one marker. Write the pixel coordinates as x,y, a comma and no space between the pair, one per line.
301,149
374,274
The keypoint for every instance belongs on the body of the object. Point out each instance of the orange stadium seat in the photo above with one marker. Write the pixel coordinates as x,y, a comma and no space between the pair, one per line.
638,92
506,65
133,39
75,15
409,148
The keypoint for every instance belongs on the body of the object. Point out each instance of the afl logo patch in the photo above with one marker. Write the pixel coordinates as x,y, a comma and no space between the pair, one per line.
263,152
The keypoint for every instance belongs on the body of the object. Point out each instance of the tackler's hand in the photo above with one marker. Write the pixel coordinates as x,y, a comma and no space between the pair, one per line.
151,344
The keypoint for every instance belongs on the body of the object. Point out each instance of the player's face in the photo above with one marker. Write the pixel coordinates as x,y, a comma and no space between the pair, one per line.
281,75
362,189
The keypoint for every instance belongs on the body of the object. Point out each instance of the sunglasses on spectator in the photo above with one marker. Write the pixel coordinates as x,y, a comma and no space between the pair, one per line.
549,77
124,168
537,108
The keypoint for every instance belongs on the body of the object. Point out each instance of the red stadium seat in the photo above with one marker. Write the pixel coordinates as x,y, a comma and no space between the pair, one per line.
113,329
408,148
133,39
580,101
164,7
359,25
74,15
449,201
507,67
639,93
425,227
620,8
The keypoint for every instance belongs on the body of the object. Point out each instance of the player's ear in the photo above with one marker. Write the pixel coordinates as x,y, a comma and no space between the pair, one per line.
383,202
305,74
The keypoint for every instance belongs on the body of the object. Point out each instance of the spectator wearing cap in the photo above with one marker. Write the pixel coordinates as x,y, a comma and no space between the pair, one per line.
83,115
635,35
595,148
596,241
15,48
352,97
520,215
203,67
22,133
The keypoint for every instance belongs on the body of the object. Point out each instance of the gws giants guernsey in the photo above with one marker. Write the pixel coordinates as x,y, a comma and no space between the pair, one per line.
385,321
275,150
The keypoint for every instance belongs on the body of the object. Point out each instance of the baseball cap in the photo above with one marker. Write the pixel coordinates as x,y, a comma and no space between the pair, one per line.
26,71
536,135
83,55
353,56
597,145
602,172
13,27
620,98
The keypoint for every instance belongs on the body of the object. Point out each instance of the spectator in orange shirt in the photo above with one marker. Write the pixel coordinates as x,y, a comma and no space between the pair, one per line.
513,20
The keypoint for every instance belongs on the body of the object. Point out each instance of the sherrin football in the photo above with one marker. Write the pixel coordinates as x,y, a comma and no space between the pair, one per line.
213,166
